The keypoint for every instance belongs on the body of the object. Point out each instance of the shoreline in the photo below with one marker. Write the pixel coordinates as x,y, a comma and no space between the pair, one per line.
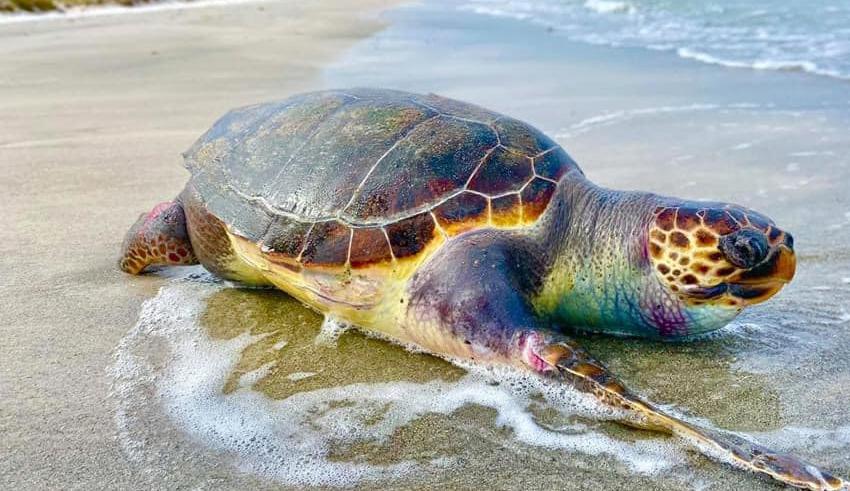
614,25
638,119
97,112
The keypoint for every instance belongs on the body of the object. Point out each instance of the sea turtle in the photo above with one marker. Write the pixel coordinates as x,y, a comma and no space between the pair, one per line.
469,234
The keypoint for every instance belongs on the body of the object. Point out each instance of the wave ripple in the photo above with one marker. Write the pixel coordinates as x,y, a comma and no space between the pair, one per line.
790,35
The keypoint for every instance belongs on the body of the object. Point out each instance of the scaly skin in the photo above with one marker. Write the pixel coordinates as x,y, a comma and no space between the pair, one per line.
158,237
597,260
605,274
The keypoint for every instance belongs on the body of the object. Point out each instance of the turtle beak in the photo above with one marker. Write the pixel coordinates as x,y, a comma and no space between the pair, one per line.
763,281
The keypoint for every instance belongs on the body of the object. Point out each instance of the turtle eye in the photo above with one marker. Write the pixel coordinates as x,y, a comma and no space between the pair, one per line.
745,248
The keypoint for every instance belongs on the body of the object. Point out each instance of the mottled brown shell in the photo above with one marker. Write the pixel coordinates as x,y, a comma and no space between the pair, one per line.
365,176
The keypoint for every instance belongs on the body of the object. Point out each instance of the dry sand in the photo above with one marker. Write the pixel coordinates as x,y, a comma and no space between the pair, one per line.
95,112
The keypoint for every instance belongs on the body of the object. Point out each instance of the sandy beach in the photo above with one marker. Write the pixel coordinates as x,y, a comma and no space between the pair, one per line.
96,111
94,391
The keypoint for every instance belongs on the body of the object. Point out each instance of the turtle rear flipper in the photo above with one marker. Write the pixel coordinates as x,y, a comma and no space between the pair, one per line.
562,359
157,237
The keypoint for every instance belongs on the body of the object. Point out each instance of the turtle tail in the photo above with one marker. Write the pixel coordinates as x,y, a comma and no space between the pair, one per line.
568,362
158,237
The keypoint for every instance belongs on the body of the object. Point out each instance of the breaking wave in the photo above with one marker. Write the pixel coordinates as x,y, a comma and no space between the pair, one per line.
783,36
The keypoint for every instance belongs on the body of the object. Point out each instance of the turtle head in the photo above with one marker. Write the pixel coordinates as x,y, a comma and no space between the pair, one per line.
639,264
719,255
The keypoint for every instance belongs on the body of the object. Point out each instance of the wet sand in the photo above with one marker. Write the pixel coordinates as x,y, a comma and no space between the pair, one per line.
96,112
637,119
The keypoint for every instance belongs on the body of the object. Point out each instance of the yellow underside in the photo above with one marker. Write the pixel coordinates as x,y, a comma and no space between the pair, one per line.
373,298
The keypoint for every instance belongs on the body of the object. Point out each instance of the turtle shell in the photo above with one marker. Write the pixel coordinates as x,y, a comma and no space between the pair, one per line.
366,175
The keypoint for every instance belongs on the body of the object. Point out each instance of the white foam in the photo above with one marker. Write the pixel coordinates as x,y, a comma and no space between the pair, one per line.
618,117
496,12
731,35
296,376
608,6
775,65
289,440
248,379
812,153
332,328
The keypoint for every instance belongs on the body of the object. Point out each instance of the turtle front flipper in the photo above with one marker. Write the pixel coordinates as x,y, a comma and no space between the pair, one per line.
471,302
157,237
557,357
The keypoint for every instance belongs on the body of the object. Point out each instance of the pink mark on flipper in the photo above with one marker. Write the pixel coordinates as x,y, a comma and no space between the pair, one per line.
530,343
153,214
156,210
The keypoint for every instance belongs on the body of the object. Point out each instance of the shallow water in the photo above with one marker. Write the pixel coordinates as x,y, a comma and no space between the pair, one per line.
239,376
248,373
791,35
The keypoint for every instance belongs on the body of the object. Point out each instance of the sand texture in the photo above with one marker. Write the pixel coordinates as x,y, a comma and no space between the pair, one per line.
96,112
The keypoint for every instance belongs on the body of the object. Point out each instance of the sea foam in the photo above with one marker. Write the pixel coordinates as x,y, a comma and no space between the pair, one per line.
608,6
168,368
289,440
788,36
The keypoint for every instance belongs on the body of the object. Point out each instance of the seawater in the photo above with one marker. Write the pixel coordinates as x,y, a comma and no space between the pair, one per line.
795,35
210,361
170,364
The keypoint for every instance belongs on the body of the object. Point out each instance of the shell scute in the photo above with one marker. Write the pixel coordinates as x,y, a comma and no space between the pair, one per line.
410,236
457,109
554,164
342,150
256,150
435,159
285,237
535,198
521,137
503,171
369,246
327,244
506,210
462,212
252,221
